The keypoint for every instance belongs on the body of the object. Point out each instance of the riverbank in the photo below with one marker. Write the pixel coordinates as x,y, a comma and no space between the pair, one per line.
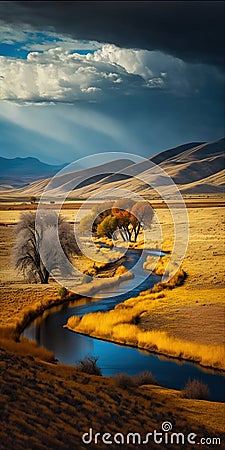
22,302
186,322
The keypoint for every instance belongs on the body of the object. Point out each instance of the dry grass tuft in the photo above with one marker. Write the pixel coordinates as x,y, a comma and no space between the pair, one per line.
63,292
167,245
164,267
161,342
25,347
124,381
156,266
145,377
73,322
195,389
177,280
120,271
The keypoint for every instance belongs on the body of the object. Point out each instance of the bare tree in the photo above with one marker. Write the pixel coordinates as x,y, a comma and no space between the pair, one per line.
36,253
141,215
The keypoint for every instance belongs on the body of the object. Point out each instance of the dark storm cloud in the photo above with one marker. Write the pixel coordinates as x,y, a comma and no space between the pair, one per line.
190,30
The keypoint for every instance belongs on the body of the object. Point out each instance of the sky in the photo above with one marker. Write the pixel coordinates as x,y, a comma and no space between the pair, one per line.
79,78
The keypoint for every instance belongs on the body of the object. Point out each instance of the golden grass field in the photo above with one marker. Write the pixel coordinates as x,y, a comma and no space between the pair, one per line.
22,302
185,322
198,305
48,405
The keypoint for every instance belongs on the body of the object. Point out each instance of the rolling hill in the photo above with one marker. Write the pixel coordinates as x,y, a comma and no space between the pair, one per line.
194,167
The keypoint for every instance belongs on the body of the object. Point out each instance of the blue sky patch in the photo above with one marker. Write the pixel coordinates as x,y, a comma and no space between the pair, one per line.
39,42
82,52
13,51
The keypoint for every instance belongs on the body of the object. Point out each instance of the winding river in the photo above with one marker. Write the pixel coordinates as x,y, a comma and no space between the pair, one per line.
69,347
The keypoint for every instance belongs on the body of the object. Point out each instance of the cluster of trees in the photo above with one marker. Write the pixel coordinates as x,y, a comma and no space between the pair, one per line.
124,215
36,253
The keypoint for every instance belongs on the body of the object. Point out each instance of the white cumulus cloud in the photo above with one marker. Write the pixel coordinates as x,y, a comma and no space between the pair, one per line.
57,75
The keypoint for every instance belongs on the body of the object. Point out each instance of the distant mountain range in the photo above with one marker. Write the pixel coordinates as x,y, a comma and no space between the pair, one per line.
18,172
194,167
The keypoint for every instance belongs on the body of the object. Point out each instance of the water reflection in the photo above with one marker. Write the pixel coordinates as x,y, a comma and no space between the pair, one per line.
69,347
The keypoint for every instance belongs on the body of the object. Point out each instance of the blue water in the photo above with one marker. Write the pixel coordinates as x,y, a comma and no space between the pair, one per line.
69,347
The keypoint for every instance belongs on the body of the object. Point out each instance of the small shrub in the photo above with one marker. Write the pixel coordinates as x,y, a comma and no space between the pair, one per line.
33,199
63,292
91,271
145,377
89,365
177,279
86,279
120,271
195,389
28,348
124,381
158,287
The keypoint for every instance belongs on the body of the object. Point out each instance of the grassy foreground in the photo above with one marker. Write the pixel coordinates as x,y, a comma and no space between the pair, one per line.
50,406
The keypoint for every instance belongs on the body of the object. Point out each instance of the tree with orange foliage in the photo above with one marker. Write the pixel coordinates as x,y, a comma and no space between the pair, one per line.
122,211
131,216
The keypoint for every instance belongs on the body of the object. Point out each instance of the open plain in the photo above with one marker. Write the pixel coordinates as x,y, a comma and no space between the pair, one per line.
48,405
